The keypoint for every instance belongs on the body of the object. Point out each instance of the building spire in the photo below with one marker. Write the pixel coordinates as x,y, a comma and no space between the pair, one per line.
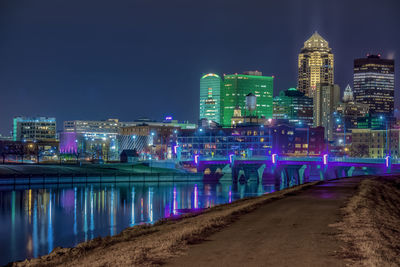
348,94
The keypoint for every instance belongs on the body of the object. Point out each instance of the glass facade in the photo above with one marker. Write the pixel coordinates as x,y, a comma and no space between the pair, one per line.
244,142
374,84
315,65
210,97
294,106
234,91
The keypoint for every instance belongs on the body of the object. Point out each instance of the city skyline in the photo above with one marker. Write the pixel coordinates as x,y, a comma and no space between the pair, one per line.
114,85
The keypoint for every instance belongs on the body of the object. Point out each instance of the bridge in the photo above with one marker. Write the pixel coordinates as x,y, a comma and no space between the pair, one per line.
288,171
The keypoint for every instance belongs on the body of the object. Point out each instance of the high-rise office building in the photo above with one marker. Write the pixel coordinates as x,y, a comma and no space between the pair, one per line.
210,97
34,129
374,84
315,65
348,114
235,89
294,106
326,98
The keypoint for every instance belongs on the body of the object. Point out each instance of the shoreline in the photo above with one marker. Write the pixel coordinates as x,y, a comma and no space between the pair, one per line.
153,244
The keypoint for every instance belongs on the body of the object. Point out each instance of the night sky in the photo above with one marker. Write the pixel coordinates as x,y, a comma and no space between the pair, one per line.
126,59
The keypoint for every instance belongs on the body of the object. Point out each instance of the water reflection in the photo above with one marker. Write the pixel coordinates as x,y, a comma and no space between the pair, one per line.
34,221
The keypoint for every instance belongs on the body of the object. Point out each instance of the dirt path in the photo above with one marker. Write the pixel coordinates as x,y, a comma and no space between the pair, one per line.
293,231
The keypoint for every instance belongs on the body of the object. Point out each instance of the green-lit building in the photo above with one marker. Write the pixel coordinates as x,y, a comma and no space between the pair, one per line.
237,86
294,106
210,97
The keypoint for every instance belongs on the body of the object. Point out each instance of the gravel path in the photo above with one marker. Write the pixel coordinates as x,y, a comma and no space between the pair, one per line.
293,231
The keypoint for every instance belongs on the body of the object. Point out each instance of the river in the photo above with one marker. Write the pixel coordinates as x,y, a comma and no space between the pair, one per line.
33,221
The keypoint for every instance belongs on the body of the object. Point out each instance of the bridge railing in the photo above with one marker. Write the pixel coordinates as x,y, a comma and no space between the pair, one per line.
305,159
357,160
311,159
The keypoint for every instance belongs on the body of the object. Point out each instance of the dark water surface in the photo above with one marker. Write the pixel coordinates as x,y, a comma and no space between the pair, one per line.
35,221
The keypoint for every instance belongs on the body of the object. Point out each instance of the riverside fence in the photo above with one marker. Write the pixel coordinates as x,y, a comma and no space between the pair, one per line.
46,179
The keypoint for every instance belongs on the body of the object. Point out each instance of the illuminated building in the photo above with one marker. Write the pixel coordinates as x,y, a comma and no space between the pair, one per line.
250,118
235,89
150,138
91,140
298,141
250,140
35,151
374,84
315,65
350,113
153,140
34,129
110,126
294,106
210,97
348,94
347,117
371,143
371,121
244,141
105,140
326,98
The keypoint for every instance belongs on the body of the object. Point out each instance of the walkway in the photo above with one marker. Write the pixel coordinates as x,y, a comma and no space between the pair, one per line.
293,231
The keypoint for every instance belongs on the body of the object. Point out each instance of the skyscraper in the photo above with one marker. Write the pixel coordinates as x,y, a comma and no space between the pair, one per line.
315,65
210,97
374,84
326,98
237,86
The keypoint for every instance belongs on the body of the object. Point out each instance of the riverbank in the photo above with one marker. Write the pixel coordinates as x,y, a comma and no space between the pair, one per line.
152,245
109,169
371,223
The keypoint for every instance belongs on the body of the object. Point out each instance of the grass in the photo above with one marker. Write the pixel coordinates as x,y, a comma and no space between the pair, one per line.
371,224
149,245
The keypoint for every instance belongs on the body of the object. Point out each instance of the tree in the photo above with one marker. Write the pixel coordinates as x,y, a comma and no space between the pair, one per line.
359,151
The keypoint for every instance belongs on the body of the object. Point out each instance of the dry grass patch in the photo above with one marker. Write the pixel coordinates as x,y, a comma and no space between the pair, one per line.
371,223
